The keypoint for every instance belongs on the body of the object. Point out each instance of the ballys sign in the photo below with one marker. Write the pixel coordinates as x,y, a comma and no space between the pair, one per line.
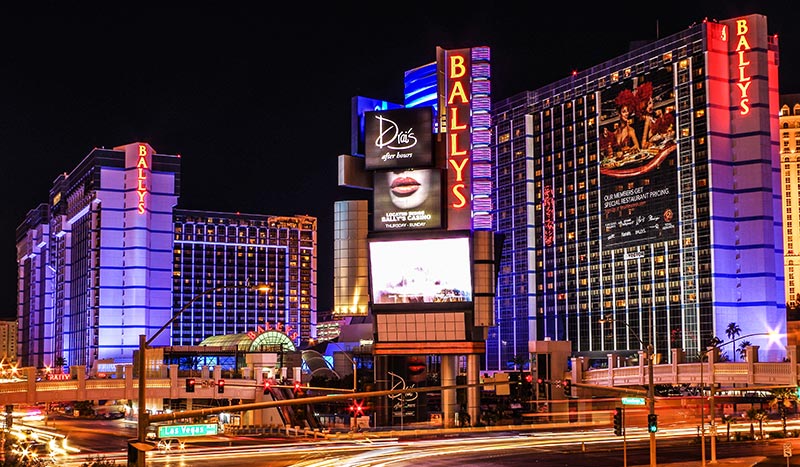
742,49
288,329
457,124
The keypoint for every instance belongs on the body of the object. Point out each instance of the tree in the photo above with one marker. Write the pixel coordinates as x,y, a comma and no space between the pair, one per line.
782,400
59,363
519,361
751,415
743,349
761,415
727,420
714,341
733,331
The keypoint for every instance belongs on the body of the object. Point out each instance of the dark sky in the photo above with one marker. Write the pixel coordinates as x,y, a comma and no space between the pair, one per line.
257,103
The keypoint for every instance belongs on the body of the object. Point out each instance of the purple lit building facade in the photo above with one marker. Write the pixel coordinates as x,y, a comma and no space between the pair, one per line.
109,257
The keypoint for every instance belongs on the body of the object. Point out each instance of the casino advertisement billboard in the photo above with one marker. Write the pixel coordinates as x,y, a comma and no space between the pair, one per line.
396,139
407,199
638,161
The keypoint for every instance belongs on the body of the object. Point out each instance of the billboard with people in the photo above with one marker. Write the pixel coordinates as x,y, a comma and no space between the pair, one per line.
638,160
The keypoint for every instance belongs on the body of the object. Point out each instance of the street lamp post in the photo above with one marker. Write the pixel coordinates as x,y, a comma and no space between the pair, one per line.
144,343
650,386
713,422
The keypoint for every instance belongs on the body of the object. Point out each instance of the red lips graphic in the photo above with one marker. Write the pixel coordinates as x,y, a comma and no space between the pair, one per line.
404,186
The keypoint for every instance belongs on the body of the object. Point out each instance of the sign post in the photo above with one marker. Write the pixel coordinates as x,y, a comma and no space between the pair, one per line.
787,452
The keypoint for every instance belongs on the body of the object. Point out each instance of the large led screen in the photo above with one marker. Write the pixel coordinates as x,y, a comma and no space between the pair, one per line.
638,162
420,271
396,139
407,199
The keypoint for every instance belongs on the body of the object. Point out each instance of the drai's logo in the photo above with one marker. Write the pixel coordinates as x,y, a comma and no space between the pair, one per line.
391,137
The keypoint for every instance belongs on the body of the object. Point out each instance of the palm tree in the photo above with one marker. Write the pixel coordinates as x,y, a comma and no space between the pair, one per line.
727,420
752,415
743,349
783,399
732,331
519,361
761,415
59,363
714,341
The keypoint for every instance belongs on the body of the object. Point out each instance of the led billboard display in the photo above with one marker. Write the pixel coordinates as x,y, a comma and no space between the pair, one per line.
407,199
638,166
420,271
396,139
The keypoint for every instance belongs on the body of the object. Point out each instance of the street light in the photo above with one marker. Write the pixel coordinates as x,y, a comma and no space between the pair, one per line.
650,387
713,423
144,343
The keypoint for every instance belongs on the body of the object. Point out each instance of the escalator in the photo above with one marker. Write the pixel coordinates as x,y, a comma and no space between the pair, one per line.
301,415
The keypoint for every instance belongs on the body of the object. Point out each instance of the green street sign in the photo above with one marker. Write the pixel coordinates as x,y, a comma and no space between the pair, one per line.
632,401
182,431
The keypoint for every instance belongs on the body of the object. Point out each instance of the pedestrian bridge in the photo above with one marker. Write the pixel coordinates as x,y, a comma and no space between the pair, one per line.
751,372
165,383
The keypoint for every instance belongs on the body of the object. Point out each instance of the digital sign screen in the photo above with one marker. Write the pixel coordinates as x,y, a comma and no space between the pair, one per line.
401,138
420,271
407,199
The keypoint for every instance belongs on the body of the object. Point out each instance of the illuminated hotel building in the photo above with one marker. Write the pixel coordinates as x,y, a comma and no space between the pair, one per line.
790,175
110,258
674,240
213,249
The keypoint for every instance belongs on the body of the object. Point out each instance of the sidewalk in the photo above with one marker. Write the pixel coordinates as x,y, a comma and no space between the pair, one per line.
731,462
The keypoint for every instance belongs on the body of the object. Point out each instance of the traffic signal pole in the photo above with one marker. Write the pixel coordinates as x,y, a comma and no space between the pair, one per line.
624,442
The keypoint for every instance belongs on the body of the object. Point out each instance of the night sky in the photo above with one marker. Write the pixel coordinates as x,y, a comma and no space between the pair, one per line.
258,103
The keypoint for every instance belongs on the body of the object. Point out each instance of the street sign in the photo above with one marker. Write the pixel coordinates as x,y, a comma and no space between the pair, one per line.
632,400
787,450
179,431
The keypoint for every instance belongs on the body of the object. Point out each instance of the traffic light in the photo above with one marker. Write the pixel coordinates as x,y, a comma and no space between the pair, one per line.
189,384
568,387
652,423
267,387
357,408
541,390
221,386
297,387
618,421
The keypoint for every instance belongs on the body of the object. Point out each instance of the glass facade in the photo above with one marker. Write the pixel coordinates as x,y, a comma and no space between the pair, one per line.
232,251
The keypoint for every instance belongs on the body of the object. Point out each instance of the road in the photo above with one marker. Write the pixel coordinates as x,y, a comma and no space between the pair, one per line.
565,447
589,448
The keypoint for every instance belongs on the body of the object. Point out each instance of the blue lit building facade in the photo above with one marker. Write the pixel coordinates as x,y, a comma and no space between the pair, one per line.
674,239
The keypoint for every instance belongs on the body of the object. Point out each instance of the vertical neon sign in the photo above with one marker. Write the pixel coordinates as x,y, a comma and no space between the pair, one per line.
142,170
457,108
744,80
549,204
